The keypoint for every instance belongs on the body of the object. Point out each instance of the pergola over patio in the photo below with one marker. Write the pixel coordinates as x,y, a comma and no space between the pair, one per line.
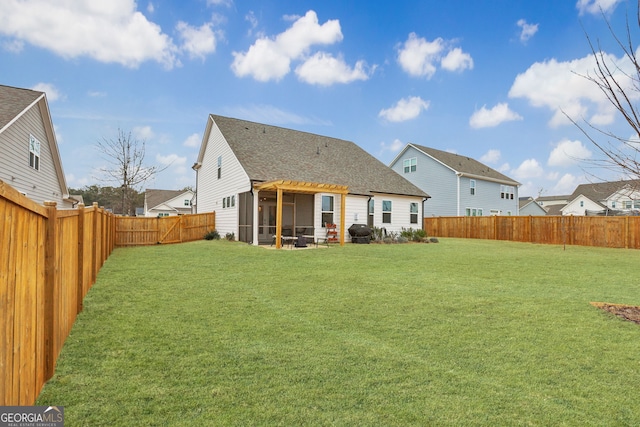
280,186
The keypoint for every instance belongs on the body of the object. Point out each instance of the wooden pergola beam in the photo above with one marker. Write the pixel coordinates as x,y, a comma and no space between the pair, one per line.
280,186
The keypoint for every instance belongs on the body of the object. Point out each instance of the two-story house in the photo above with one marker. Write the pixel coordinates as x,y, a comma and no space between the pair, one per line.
29,157
161,203
458,185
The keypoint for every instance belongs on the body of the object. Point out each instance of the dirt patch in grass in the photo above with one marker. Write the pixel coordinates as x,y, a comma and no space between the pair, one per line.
627,312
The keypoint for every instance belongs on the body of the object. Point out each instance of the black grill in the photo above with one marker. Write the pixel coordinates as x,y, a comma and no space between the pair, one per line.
360,233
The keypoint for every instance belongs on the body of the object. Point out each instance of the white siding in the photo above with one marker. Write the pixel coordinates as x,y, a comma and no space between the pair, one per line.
39,185
211,190
574,208
400,212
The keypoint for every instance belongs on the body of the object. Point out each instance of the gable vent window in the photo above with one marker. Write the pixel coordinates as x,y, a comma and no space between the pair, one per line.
34,152
219,167
410,165
472,187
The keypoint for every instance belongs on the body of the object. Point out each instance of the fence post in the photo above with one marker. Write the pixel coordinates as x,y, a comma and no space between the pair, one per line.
80,257
94,246
51,276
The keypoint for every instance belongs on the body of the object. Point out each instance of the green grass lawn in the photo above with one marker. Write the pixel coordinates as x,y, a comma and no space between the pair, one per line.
464,332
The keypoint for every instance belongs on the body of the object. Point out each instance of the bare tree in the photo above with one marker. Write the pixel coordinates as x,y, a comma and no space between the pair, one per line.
126,168
621,86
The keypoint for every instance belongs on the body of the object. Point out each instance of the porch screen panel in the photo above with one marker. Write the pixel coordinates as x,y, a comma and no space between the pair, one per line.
245,217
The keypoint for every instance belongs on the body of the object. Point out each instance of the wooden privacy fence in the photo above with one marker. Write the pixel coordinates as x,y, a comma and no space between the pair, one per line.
49,259
610,232
136,231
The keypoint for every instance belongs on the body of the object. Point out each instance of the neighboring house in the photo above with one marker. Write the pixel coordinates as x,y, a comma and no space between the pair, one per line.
159,203
29,157
528,206
547,201
618,196
265,180
458,185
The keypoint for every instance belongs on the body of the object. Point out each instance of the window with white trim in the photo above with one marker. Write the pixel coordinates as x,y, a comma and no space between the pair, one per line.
410,165
386,211
507,192
34,152
327,210
473,212
472,186
219,167
413,213
187,202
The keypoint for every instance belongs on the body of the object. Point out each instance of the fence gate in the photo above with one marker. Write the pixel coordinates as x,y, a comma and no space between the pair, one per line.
169,230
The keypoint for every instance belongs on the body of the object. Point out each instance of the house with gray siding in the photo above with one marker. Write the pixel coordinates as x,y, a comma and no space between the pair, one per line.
529,207
161,203
458,185
264,181
29,157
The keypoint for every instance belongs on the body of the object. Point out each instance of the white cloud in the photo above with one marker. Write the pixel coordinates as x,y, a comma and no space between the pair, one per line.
150,7
405,109
197,42
419,57
527,30
567,184
107,31
530,168
393,147
172,159
484,118
568,153
324,69
457,60
491,156
562,88
13,46
52,92
142,133
270,58
193,140
594,7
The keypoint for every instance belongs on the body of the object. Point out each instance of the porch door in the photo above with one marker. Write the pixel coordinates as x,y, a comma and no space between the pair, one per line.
266,222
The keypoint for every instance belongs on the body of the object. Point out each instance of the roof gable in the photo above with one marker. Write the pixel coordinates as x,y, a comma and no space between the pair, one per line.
465,165
271,153
601,191
155,198
14,103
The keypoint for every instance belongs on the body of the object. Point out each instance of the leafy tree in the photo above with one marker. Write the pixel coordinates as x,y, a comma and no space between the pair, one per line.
107,197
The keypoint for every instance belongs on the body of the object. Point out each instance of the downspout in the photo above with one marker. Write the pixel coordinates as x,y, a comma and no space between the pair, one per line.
458,174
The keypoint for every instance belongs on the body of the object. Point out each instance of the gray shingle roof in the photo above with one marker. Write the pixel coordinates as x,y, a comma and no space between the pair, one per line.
598,192
269,153
14,102
466,165
154,198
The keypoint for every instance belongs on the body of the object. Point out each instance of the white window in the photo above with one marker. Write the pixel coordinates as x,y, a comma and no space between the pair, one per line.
187,202
219,167
413,213
507,192
410,165
327,210
627,204
472,186
386,211
582,203
34,152
473,212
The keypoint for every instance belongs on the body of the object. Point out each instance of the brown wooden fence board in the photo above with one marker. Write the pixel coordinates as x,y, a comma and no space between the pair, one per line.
49,259
610,232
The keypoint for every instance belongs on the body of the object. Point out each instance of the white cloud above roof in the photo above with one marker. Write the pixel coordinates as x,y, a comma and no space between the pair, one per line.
568,153
420,58
197,42
107,31
491,157
562,87
529,168
526,30
595,7
484,117
324,69
269,58
405,109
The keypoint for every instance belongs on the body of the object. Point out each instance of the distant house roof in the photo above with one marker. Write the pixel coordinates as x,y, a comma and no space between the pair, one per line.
465,165
269,153
155,198
524,201
555,209
599,192
553,198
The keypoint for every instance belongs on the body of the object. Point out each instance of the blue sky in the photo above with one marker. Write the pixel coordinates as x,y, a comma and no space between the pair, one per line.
485,79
